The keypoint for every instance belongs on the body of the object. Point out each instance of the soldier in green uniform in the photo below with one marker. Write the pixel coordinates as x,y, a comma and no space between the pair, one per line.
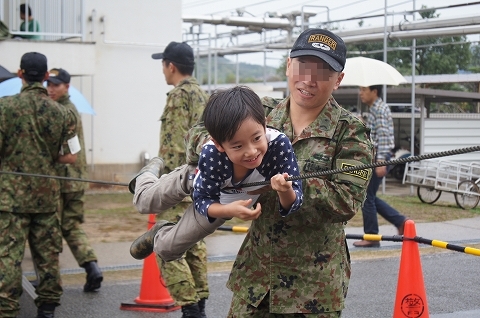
36,133
298,266
185,278
72,197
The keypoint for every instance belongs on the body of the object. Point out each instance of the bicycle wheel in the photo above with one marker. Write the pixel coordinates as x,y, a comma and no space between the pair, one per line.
468,195
427,192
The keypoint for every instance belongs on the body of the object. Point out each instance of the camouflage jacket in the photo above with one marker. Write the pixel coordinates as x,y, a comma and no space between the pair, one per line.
301,261
33,130
79,168
184,108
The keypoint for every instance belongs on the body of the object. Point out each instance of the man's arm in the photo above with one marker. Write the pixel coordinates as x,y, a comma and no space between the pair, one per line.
178,117
383,122
70,144
339,196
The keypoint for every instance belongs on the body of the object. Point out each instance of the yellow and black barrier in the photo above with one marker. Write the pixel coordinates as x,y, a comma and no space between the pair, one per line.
237,229
390,238
448,246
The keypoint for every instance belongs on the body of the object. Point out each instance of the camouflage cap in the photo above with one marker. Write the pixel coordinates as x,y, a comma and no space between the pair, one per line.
33,63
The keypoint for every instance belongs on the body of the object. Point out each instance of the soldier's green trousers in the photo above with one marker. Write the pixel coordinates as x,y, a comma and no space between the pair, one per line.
239,308
72,216
42,230
186,277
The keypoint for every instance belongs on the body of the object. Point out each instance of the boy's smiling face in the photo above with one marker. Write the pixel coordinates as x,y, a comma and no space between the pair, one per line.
247,147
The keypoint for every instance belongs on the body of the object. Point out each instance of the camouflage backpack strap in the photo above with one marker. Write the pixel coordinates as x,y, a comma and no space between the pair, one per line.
4,32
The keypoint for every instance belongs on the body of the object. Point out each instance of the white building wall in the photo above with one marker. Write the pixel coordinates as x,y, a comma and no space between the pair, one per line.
128,89
449,134
116,73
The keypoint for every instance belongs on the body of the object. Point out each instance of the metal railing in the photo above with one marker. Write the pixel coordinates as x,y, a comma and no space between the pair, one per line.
58,20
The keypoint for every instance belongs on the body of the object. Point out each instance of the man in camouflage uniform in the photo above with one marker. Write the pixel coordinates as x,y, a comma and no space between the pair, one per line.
35,134
298,266
72,197
185,278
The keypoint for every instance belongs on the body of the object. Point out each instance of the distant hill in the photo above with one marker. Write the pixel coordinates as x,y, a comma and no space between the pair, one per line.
226,69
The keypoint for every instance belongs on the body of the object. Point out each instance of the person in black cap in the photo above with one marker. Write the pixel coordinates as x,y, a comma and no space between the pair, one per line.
72,197
299,265
186,278
37,133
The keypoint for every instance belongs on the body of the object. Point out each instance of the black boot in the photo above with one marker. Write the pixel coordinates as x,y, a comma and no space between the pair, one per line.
94,277
142,247
46,310
201,307
191,311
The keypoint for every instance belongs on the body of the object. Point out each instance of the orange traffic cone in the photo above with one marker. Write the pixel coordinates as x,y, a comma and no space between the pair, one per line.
154,296
411,300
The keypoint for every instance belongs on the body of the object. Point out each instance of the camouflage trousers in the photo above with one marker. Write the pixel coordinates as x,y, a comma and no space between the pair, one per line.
239,308
72,216
185,278
42,230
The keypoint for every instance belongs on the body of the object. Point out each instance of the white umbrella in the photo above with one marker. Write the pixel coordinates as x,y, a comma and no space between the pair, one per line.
13,86
364,71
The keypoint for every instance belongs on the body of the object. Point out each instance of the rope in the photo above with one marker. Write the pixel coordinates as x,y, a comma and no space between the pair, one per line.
303,176
63,178
371,165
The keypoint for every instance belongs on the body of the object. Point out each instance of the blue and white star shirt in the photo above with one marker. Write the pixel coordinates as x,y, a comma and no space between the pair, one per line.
215,172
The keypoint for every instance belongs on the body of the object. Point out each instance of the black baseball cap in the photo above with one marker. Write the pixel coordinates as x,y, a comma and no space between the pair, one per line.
322,44
180,53
58,76
33,63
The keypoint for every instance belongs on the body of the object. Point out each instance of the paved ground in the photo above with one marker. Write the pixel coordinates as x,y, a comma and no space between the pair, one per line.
451,278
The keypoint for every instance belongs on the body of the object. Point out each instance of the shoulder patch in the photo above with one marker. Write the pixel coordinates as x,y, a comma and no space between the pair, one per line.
359,177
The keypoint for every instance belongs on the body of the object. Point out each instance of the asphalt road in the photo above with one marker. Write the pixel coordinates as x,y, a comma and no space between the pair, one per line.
451,280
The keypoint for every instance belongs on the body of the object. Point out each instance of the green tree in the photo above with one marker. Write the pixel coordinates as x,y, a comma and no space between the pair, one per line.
434,55
282,68
475,61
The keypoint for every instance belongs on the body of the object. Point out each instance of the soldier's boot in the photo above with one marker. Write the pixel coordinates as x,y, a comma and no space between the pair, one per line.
155,166
201,307
94,277
191,311
46,310
142,247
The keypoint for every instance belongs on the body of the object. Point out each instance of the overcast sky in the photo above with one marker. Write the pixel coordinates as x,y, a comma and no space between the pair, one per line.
337,10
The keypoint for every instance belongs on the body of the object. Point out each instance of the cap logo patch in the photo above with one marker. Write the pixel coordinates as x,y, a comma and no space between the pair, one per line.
321,46
321,38
53,73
